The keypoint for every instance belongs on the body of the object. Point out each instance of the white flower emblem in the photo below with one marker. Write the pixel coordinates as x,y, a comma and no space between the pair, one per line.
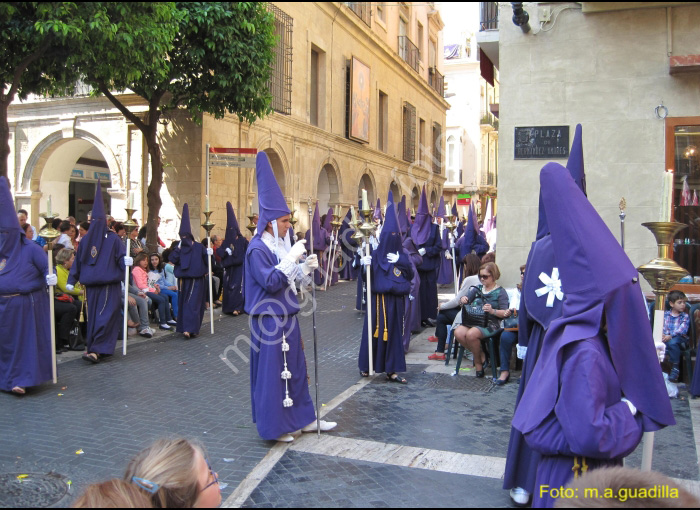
552,287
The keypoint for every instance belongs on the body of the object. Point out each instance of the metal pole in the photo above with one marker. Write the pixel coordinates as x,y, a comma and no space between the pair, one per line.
454,263
53,318
211,289
126,295
313,319
622,223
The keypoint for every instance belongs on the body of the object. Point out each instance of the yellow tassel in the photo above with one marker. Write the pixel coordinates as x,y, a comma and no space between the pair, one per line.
575,468
376,318
584,468
386,330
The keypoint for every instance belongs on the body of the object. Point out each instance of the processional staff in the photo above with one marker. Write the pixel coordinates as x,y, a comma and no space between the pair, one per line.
367,229
51,234
129,226
313,319
208,225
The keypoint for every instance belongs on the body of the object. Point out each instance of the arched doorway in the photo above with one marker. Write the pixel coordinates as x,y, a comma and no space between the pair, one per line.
327,191
395,191
415,198
366,184
67,170
433,201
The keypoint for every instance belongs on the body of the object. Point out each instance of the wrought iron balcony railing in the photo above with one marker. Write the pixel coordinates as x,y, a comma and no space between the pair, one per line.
362,9
436,80
409,52
489,15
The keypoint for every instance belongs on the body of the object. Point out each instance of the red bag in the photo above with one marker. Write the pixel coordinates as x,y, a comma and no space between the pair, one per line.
66,298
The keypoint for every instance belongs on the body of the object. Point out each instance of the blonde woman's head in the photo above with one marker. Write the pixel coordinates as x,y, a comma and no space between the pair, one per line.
113,493
176,474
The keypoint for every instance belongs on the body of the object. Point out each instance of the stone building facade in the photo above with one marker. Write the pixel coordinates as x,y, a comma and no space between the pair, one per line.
629,73
391,54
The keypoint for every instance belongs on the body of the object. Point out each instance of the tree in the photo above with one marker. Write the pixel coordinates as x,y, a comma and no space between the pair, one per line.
220,63
42,42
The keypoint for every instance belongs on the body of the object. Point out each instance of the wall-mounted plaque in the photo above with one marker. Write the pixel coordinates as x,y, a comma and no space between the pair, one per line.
542,142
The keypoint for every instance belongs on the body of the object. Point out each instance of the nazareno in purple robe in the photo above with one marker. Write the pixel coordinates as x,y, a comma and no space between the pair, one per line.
233,264
390,285
445,271
347,247
571,411
190,259
25,331
99,266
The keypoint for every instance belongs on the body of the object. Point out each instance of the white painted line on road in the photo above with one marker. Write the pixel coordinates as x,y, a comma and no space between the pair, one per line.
404,456
258,474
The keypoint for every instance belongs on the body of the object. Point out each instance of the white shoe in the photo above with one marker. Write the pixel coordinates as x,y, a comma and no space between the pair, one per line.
325,426
519,496
285,438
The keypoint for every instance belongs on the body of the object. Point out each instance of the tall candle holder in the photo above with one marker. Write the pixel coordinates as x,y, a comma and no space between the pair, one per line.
662,273
129,226
292,220
251,226
51,234
208,226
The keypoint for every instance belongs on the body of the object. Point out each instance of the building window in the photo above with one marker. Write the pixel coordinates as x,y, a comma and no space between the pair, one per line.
362,9
317,87
419,39
381,14
437,148
453,160
383,122
409,132
281,77
421,141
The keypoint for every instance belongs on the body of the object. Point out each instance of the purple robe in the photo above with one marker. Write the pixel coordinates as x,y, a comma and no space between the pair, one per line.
388,313
194,288
25,331
445,271
412,319
428,274
589,422
102,276
347,247
233,274
695,383
273,308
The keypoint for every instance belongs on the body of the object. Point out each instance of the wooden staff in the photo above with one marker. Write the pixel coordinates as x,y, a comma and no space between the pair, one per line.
313,318
51,234
129,226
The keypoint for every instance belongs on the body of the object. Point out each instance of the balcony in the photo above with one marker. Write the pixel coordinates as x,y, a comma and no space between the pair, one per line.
362,9
409,52
489,16
436,80
489,119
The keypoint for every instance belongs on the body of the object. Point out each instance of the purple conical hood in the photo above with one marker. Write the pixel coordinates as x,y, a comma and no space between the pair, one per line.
186,238
185,228
329,220
441,212
319,240
420,231
454,209
390,198
390,238
232,230
597,280
472,222
378,211
403,218
11,233
97,231
271,202
575,162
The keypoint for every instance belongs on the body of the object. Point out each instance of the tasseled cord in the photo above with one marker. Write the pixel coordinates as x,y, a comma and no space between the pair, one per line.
386,331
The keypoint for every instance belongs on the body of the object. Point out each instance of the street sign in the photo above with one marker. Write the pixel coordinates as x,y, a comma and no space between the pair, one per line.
234,157
464,199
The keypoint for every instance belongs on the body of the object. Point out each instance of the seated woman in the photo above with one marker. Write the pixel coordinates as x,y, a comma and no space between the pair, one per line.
157,275
449,313
495,303
140,276
509,338
67,303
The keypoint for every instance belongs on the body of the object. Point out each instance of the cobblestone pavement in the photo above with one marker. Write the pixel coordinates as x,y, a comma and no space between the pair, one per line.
168,386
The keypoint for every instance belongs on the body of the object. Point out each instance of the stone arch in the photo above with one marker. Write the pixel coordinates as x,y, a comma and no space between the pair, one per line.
367,182
434,201
280,168
415,198
328,185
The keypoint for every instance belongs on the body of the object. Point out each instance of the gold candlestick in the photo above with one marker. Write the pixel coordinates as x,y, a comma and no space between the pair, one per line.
251,226
130,225
662,273
48,232
293,221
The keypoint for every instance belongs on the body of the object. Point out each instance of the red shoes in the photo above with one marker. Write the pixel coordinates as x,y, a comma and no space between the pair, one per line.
437,357
432,339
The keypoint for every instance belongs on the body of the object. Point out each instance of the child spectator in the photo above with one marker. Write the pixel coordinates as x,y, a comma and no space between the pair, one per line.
113,494
675,333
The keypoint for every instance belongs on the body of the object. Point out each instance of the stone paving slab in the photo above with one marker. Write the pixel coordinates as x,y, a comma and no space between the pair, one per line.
315,481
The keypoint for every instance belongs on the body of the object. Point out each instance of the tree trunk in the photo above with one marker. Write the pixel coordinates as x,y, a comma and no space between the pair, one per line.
4,137
153,196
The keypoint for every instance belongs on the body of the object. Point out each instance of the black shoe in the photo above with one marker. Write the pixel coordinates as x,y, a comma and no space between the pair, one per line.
479,374
501,382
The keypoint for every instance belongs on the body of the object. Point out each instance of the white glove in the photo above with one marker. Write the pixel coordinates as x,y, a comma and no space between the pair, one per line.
310,264
128,261
366,260
69,287
228,250
411,298
364,245
332,238
210,252
632,407
660,351
179,245
421,252
393,257
51,279
297,251
448,256
452,244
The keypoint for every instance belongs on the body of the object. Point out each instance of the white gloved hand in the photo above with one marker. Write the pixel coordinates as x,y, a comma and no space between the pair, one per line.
632,407
448,256
128,261
228,250
310,264
452,244
660,351
392,257
421,251
297,251
364,245
51,279
210,252
332,238
179,245
69,287
411,298
366,260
